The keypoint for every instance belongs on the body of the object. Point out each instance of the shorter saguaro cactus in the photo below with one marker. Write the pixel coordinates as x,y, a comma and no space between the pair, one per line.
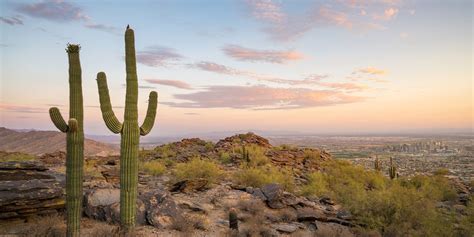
392,170
233,220
245,154
377,165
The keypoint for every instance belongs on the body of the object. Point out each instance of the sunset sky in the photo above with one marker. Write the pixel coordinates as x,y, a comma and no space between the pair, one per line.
342,66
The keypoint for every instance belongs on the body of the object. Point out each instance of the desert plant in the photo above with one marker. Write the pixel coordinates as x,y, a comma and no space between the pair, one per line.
130,130
154,167
233,219
75,141
392,170
377,165
262,175
198,169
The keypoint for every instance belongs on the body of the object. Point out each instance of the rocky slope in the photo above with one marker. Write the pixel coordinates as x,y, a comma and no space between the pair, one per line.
41,142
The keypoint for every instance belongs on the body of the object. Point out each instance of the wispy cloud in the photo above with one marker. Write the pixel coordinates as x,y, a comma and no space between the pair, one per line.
370,70
102,27
158,56
54,10
21,108
261,98
314,79
272,56
173,83
13,20
282,26
141,86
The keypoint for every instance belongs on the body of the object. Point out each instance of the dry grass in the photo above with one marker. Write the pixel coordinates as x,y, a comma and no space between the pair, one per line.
154,167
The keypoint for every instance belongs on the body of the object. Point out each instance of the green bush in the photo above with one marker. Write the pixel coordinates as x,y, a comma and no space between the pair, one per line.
197,168
262,175
16,156
166,151
154,167
256,155
225,158
403,207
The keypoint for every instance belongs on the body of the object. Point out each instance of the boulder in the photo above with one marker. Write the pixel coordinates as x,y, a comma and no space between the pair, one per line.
162,210
310,214
188,186
28,188
286,227
98,201
256,192
273,193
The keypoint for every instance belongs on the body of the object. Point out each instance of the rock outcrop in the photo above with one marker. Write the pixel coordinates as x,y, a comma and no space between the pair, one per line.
28,188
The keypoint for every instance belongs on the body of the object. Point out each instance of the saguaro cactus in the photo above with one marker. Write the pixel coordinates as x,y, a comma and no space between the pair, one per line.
129,130
377,165
75,142
392,170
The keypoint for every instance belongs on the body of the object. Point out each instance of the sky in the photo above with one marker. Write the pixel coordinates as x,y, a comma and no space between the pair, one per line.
341,66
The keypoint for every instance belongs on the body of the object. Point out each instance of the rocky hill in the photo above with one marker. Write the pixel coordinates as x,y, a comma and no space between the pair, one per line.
41,142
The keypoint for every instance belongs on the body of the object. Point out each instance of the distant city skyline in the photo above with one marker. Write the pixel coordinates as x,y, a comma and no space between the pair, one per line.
327,67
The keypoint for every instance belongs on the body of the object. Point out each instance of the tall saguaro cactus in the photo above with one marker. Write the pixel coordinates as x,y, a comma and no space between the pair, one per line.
129,130
75,142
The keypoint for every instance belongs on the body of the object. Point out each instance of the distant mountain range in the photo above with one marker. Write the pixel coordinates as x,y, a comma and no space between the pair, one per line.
40,142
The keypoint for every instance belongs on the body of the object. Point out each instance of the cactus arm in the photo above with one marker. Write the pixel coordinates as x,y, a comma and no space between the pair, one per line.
73,125
58,119
150,114
105,106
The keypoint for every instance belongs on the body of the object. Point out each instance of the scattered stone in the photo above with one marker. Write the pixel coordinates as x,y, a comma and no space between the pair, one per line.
187,186
309,214
256,192
273,193
327,201
28,188
97,202
162,211
285,228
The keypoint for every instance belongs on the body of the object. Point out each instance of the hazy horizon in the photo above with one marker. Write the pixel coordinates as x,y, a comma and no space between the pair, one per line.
322,67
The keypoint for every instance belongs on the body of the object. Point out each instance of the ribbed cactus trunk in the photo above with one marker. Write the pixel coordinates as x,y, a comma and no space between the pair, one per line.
130,131
75,142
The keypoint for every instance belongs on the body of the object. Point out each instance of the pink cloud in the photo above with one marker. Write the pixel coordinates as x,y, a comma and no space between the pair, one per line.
261,98
272,56
371,71
157,56
54,10
215,67
22,109
173,83
267,10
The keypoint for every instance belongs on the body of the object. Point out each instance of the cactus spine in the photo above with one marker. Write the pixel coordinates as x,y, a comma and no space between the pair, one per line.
129,130
392,170
75,142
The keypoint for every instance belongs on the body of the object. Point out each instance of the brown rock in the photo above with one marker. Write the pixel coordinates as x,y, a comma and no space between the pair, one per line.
187,186
28,188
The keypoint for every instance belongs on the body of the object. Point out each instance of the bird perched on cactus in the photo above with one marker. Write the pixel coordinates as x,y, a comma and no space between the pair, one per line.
392,170
130,130
75,142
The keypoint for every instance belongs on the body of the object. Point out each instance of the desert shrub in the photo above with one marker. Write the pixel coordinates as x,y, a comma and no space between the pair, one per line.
166,151
209,146
16,156
154,167
256,155
225,158
262,175
442,171
91,169
311,154
198,168
404,207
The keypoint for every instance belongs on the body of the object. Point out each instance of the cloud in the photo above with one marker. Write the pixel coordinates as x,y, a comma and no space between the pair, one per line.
53,10
13,20
214,67
272,56
267,10
261,98
370,70
22,109
173,83
157,56
141,87
314,79
282,26
388,14
102,27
